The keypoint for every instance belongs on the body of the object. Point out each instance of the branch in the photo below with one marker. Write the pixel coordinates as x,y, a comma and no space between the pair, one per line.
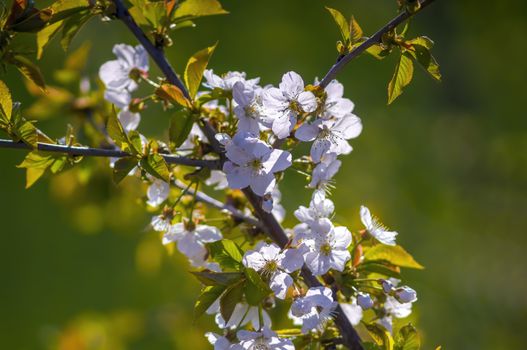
102,152
375,39
203,197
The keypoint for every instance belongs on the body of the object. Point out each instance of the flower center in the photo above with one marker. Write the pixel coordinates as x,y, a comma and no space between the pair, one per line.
250,111
260,344
325,132
270,267
256,164
325,249
295,106
135,74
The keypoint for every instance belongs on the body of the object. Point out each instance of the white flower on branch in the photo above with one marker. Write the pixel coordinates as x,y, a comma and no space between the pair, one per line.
336,106
352,311
217,179
248,107
314,309
397,309
253,162
264,340
327,247
121,75
221,343
242,315
324,171
376,228
191,239
330,135
227,81
319,208
274,264
284,104
129,120
157,192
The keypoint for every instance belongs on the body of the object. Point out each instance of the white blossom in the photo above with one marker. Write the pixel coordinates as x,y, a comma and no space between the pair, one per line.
319,208
285,103
227,81
217,179
324,171
336,106
274,264
397,309
352,311
120,75
386,322
364,300
120,98
242,315
157,192
376,228
330,135
328,248
315,308
264,340
129,120
248,108
253,163
221,342
190,241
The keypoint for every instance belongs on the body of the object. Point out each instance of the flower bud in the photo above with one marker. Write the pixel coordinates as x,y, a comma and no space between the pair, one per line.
405,294
387,286
364,300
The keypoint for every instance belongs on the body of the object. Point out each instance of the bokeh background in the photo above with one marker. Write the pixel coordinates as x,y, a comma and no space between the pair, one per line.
446,166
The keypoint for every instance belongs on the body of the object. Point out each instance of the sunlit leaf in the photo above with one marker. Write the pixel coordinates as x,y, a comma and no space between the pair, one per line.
35,164
395,255
355,30
172,94
227,254
342,23
29,70
380,336
404,71
195,67
45,35
116,132
6,103
72,25
180,127
207,297
63,9
198,8
407,339
155,165
421,53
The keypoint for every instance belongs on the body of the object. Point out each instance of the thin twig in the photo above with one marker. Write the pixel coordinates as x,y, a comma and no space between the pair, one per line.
205,198
110,153
375,39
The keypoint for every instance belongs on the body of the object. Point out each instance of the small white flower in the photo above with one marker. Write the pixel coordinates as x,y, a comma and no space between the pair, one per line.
161,223
364,300
324,171
253,163
405,294
284,104
330,135
217,179
335,105
397,309
264,340
243,314
376,228
121,98
328,248
352,311
119,74
319,208
248,108
157,192
227,81
221,342
274,264
191,242
315,308
129,120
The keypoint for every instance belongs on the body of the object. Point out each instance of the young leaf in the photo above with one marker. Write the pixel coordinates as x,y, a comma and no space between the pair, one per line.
72,25
45,35
29,70
136,143
342,23
210,278
35,164
232,296
33,22
116,132
195,67
379,267
63,9
407,339
198,8
173,94
155,165
122,168
207,297
180,127
255,288
395,255
227,254
6,103
421,53
24,131
355,30
404,71
380,336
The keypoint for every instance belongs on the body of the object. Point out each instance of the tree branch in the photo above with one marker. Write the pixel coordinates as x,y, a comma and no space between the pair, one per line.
375,39
102,152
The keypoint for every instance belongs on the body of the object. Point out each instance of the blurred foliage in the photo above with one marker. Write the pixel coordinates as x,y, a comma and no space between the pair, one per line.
446,165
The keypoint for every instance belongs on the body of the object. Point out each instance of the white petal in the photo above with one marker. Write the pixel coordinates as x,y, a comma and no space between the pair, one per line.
307,101
130,121
318,264
237,177
339,259
279,284
262,184
292,84
353,312
342,237
307,132
283,124
319,148
292,260
277,160
207,234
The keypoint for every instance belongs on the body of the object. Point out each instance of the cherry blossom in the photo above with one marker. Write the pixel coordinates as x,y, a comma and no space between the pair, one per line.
376,228
266,339
352,311
157,192
191,239
336,106
364,300
324,171
120,75
221,342
405,294
248,108
315,308
227,81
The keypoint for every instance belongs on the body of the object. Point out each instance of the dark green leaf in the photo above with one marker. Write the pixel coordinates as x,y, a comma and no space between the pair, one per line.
34,22
379,267
407,339
45,35
207,297
404,71
180,127
255,288
380,336
63,9
210,278
232,296
122,168
29,70
72,25
195,67
155,165
421,53
136,143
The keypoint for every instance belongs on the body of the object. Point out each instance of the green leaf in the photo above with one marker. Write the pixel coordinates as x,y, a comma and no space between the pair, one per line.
207,297
380,336
355,31
34,22
24,131
379,267
6,103
63,9
342,23
45,35
122,168
136,143
172,94
407,339
155,165
72,25
198,8
116,132
421,53
210,278
232,296
35,164
180,127
227,254
395,255
195,67
255,288
29,70
378,51
404,71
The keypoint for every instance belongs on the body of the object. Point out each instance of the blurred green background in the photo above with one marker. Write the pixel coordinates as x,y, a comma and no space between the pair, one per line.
446,166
